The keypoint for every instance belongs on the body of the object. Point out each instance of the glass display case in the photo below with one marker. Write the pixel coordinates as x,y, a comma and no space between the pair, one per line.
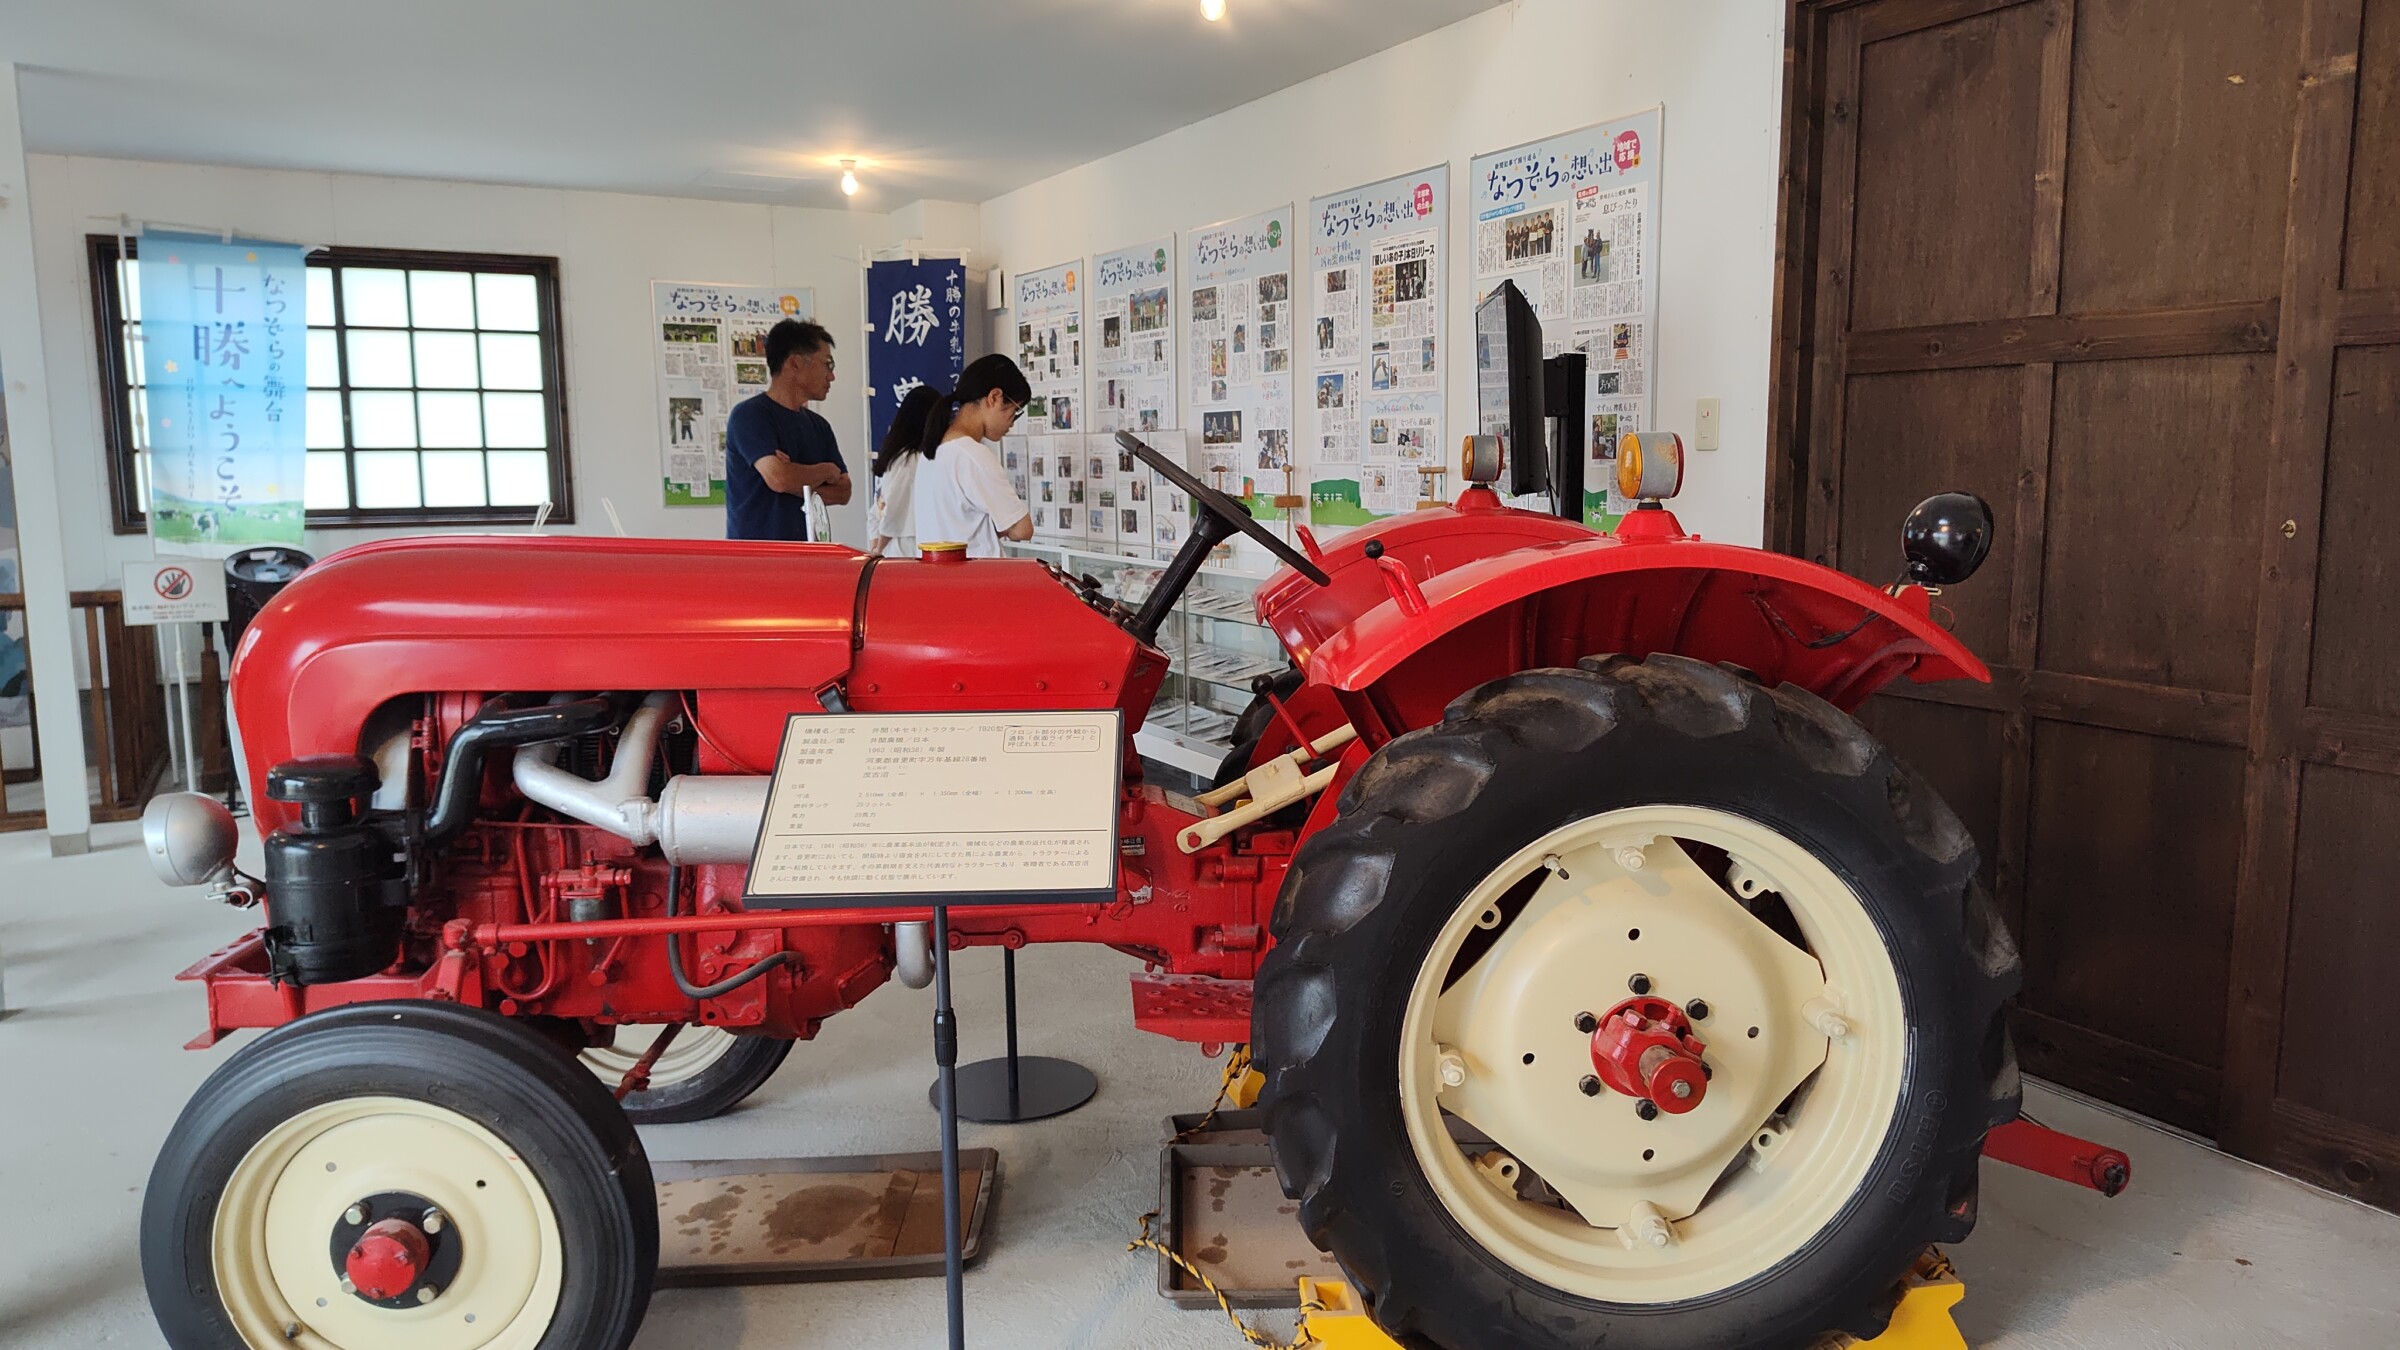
1214,641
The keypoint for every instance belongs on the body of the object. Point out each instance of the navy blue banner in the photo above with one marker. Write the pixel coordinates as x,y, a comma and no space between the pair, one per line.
919,313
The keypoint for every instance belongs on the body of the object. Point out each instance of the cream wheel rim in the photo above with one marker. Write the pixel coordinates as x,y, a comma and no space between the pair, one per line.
276,1215
1650,1211
694,1051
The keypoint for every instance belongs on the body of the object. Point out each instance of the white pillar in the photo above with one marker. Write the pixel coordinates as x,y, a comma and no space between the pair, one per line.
40,541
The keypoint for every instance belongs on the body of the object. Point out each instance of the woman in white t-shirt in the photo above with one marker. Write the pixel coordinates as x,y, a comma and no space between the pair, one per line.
892,521
962,493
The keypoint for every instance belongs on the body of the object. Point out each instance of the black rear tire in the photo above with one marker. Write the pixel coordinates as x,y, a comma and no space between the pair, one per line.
1438,809
724,1084
565,1129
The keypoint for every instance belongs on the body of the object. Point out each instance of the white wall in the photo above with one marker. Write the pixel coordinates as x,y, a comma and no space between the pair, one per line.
1505,77
609,246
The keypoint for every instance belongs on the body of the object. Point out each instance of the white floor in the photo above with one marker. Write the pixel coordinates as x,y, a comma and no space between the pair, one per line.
2204,1252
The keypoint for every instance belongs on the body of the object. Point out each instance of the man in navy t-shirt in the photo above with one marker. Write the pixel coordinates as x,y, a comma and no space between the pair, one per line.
776,449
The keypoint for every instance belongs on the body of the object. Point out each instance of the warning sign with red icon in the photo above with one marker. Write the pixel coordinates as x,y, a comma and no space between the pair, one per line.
159,592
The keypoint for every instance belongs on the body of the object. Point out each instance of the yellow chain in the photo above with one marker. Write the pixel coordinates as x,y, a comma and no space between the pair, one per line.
1236,1065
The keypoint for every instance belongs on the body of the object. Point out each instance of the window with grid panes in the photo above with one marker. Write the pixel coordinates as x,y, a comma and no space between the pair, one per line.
434,387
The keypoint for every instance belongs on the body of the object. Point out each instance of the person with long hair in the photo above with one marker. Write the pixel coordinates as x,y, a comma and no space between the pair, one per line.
961,488
892,521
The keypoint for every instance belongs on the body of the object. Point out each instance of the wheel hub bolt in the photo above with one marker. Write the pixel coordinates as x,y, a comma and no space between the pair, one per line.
1453,1069
433,1221
356,1214
1639,984
1697,1009
1590,1086
1630,858
1646,1109
1586,1023
427,1293
1681,1089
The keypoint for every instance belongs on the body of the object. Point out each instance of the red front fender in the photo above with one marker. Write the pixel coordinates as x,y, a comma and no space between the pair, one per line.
1648,589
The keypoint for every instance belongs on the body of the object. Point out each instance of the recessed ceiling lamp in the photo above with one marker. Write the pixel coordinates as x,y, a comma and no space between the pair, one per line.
850,177
1212,10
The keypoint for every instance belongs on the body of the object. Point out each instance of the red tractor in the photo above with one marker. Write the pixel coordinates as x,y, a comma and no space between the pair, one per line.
1610,983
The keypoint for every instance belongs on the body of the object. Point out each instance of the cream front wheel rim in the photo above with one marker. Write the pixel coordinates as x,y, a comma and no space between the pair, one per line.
270,1246
694,1051
1649,1211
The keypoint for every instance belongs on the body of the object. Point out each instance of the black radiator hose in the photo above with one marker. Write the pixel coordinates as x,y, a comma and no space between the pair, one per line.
462,766
675,954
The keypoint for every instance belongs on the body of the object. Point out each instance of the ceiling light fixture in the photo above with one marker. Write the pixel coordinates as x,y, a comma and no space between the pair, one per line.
1212,10
850,178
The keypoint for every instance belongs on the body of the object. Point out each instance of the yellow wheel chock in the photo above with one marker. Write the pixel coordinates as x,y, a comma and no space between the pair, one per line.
1331,1316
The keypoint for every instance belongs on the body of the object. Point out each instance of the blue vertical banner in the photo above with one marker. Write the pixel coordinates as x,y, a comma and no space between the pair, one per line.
224,337
918,313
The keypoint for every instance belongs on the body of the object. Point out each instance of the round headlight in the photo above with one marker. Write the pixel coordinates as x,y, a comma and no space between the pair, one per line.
188,837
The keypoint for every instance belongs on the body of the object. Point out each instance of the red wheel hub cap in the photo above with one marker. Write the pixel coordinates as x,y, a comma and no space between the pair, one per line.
388,1259
1644,1047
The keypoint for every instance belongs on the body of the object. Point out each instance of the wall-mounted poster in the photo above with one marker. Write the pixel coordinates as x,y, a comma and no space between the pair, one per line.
1239,318
1374,333
1573,220
712,354
1133,326
1048,309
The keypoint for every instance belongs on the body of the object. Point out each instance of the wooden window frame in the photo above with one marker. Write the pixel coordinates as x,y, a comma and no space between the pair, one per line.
126,512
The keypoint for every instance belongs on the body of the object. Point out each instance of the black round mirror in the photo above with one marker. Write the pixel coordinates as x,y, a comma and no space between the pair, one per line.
1946,538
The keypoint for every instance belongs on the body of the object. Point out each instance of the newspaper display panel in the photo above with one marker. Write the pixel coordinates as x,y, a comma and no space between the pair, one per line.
1375,331
1573,220
1048,309
1133,316
712,353
1239,320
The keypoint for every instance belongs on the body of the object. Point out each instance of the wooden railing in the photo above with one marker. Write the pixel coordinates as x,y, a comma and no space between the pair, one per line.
125,713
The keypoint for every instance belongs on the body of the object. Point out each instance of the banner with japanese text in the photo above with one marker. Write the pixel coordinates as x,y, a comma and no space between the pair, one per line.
225,340
712,353
917,321
1375,287
1573,220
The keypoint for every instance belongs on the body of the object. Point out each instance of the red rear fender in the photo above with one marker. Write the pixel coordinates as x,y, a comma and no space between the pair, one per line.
1552,604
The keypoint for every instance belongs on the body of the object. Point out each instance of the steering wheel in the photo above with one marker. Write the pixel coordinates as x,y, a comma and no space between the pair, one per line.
1224,507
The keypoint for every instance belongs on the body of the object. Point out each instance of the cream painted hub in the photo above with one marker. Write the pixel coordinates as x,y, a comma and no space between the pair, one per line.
1661,1210
272,1243
694,1051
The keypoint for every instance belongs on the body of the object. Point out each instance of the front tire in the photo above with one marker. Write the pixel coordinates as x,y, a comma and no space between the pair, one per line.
1563,838
548,1231
704,1073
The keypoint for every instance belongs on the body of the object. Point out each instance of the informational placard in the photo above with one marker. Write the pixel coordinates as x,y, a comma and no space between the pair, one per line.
1239,318
712,354
1133,316
1048,308
223,358
916,332
907,809
1573,220
1375,331
169,591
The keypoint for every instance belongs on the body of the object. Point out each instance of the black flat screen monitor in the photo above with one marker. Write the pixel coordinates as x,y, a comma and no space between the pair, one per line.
1508,385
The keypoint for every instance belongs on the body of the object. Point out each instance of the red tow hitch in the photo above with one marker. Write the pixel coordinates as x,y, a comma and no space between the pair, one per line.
388,1259
2054,1153
1644,1048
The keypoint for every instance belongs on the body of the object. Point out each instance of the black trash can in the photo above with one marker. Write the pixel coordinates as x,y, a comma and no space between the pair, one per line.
252,577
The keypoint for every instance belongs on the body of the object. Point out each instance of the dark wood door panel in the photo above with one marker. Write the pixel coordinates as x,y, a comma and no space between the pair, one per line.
2371,244
2342,981
2178,152
1945,170
2129,886
1926,433
2356,648
2151,574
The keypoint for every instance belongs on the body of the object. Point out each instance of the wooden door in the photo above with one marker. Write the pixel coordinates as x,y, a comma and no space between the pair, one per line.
2130,269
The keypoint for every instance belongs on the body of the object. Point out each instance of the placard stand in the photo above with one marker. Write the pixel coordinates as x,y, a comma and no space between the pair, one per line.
897,810
1016,1088
945,1060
